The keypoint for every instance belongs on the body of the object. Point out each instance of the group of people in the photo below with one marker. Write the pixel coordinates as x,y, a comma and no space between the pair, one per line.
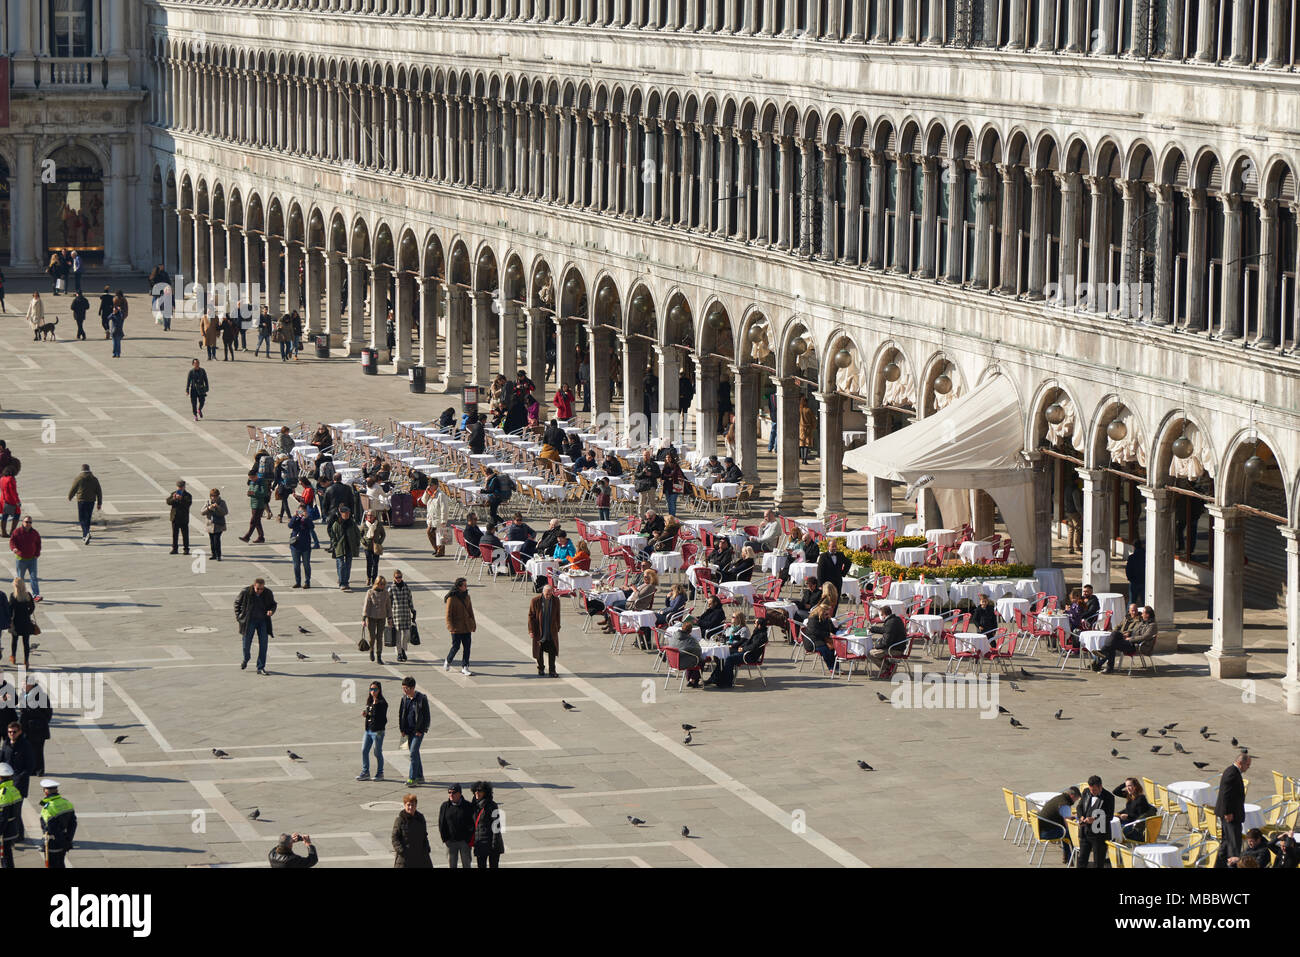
231,333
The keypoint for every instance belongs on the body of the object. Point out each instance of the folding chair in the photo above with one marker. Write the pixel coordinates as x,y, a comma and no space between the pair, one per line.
679,662
843,654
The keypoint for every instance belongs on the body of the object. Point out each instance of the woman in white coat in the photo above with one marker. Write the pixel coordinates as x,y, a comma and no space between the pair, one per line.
36,314
437,512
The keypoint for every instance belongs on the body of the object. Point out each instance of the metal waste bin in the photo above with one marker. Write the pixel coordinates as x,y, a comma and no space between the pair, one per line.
322,347
370,361
417,378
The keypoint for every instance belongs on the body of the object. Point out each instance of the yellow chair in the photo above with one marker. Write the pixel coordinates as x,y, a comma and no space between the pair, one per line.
1112,850
1009,797
1167,803
1154,826
1288,815
1125,854
1210,820
1022,814
1194,850
1283,785
1245,785
1042,841
1150,787
1209,851
1194,821
1072,829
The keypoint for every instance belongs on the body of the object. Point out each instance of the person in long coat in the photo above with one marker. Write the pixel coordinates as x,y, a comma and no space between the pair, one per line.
807,428
544,627
410,836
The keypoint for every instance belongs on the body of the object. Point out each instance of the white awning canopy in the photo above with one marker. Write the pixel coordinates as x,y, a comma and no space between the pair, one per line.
974,443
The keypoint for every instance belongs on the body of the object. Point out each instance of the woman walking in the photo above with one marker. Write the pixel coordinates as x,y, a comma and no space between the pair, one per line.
375,714
302,539
674,481
403,612
411,836
22,613
460,623
257,499
214,516
196,387
377,612
487,842
372,541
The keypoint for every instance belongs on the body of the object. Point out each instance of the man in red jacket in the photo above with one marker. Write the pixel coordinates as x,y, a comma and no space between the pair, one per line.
26,544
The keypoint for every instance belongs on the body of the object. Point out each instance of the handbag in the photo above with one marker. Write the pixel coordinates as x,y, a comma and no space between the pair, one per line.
390,636
415,634
36,629
363,644
58,284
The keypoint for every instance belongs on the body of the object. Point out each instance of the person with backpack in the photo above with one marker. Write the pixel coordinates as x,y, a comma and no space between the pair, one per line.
498,488
286,480
604,498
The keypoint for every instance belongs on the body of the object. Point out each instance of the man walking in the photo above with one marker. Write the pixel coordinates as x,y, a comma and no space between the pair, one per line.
58,822
179,502
105,309
89,497
117,323
80,306
263,333
253,610
17,753
544,628
413,722
196,387
34,716
25,543
345,544
76,270
1230,808
456,827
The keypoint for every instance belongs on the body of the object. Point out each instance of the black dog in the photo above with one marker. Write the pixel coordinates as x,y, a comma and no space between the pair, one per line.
46,331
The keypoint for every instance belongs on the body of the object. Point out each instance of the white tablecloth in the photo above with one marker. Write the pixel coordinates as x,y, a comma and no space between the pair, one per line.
786,606
913,528
673,633
603,528
1254,817
799,571
811,524
642,619
773,562
1197,792
554,492
995,588
1112,602
860,538
1167,855
941,536
885,604
909,556
690,573
973,552
634,542
741,590
892,520
930,624
936,591
513,546
700,525
1055,621
714,649
972,641
665,562
1027,588
1094,641
858,644
1051,580
852,590
540,566
574,581
1007,606
725,489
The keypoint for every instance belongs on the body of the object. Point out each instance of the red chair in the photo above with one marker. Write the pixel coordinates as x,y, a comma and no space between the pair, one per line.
1003,648
463,554
959,655
518,571
555,585
486,554
1067,644
689,551
584,531
1040,600
882,587
621,630
843,654
758,663
679,662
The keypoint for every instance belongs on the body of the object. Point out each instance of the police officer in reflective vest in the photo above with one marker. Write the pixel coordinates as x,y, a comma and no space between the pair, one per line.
11,809
58,821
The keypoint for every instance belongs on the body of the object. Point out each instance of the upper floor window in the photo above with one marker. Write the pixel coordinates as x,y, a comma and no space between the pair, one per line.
70,28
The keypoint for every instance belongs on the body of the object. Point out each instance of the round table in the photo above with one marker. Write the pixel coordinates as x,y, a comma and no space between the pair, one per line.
673,633
851,590
930,624
892,520
773,562
1038,798
888,604
700,525
690,573
935,591
914,528
811,525
800,571
1254,817
714,649
1164,855
540,566
972,641
786,606
553,492
1008,606
1051,580
575,581
1027,588
973,552
1193,792
666,562
995,588
725,489
634,542
741,590
909,556
603,528
941,536
1094,640
642,619
858,644
1055,621
860,538
1113,602
513,546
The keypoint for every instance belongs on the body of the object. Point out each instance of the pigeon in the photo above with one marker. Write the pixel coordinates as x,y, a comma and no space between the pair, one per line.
1163,732
1114,753
1025,675
293,757
1201,765
1014,686
687,739
688,727
301,656
567,706
1002,710
1143,731
1016,724
218,753
1156,749
1205,728
254,814
881,697
1115,734
303,631
1059,712
1234,742
1171,725
1205,735
502,762
334,657
864,766
686,831
119,739
1179,748
634,821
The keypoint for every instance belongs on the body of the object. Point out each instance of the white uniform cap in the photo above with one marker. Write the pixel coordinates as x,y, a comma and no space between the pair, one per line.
50,783
6,771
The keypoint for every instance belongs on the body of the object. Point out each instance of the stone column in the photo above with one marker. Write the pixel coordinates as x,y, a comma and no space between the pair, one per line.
1044,472
746,191
430,294
880,491
563,119
403,318
956,220
1196,260
453,372
805,197
598,339
1130,252
481,340
273,248
1227,656
1010,252
876,225
599,144
669,425
566,353
312,274
788,497
1207,30
1099,241
929,215
117,213
1277,16
1243,28
1162,298
292,256
1159,572
985,197
1038,213
745,387
903,214
508,338
378,309
649,165
234,257
356,307
1230,282
829,172
831,459
1097,504
1266,300
1291,681
635,431
785,213
686,136
333,298
1046,24
852,207
705,405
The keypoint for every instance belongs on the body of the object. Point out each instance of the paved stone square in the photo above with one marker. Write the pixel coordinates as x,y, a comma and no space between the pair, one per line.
769,780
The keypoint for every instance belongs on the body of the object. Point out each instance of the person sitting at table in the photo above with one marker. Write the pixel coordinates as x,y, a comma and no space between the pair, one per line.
517,530
489,537
640,598
587,462
667,450
984,618
610,465
1076,614
676,602
473,533
554,437
892,632
652,524
322,468
447,419
741,569
722,554
580,561
665,540
808,599
563,549
497,489
805,547
1286,851
1144,631
1053,815
714,617
731,471
477,439
532,413
769,533
740,650
546,544
831,564
322,439
710,466
573,446
830,596
1091,607
684,640
1136,810
419,482
737,632
819,628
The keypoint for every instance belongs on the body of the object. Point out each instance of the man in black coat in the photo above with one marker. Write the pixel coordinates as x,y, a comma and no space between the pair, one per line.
413,721
17,753
35,718
831,565
105,308
282,856
984,617
456,827
336,495
476,439
179,502
1094,811
892,631
1230,808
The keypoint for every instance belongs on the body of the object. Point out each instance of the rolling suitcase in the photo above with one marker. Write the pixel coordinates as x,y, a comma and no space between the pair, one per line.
401,510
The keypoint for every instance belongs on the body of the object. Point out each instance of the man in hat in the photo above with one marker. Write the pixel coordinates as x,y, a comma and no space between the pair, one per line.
345,544
58,823
282,855
17,753
11,813
179,502
456,827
